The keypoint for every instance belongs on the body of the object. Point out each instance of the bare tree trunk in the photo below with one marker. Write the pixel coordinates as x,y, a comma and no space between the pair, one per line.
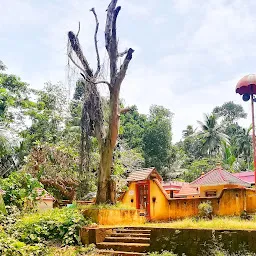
104,179
92,106
106,188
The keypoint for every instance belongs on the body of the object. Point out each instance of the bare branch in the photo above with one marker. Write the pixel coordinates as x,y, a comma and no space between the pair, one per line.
124,66
103,82
77,49
96,42
98,82
110,38
125,110
113,52
78,29
109,19
121,54
113,39
71,58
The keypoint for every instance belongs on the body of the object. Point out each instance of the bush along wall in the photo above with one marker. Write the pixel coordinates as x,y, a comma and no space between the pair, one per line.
62,225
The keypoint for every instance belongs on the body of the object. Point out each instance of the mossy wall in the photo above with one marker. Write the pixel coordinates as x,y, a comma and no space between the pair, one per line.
196,242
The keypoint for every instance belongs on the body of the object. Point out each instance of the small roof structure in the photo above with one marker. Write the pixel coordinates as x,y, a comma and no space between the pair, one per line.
219,176
173,185
44,195
247,176
144,174
187,190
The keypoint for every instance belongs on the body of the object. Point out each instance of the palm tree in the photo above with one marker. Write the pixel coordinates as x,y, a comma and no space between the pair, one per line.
229,157
244,142
212,135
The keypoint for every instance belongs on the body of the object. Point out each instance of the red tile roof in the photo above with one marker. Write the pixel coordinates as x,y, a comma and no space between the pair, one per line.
219,176
187,190
246,176
173,185
143,174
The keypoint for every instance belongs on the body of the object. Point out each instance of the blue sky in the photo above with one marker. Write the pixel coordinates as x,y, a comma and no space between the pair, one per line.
189,54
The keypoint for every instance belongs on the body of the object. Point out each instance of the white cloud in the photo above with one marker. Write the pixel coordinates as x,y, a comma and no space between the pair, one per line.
136,9
197,70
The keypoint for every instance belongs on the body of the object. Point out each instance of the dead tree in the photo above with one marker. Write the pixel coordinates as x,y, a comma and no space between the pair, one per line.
92,123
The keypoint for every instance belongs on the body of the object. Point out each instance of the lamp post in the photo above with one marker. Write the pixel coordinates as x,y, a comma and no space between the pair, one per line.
247,87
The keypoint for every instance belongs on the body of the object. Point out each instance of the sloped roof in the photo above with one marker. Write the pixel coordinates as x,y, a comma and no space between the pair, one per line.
246,176
187,190
43,194
142,174
173,185
219,176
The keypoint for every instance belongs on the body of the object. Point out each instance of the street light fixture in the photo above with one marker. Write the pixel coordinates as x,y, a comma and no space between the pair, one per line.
247,87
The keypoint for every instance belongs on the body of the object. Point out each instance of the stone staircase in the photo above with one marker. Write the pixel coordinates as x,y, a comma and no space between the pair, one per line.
126,241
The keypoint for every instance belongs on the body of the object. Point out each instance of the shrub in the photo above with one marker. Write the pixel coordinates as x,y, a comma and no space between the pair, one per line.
12,247
58,224
164,253
72,250
107,206
2,205
19,187
7,220
205,210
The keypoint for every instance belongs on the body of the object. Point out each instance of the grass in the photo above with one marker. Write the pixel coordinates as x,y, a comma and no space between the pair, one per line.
227,223
71,250
216,223
116,206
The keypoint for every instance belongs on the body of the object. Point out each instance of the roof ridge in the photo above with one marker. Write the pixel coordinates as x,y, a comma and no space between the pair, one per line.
229,173
199,178
221,175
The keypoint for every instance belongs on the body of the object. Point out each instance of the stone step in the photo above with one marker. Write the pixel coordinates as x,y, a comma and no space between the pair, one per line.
130,235
111,252
142,231
125,247
134,227
127,239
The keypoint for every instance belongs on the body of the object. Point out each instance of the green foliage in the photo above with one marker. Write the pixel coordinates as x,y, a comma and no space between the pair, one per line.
126,160
7,220
229,157
205,209
19,187
188,131
14,101
132,128
157,138
164,253
11,247
72,250
197,167
57,224
2,205
2,66
230,112
107,206
47,116
212,135
13,94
